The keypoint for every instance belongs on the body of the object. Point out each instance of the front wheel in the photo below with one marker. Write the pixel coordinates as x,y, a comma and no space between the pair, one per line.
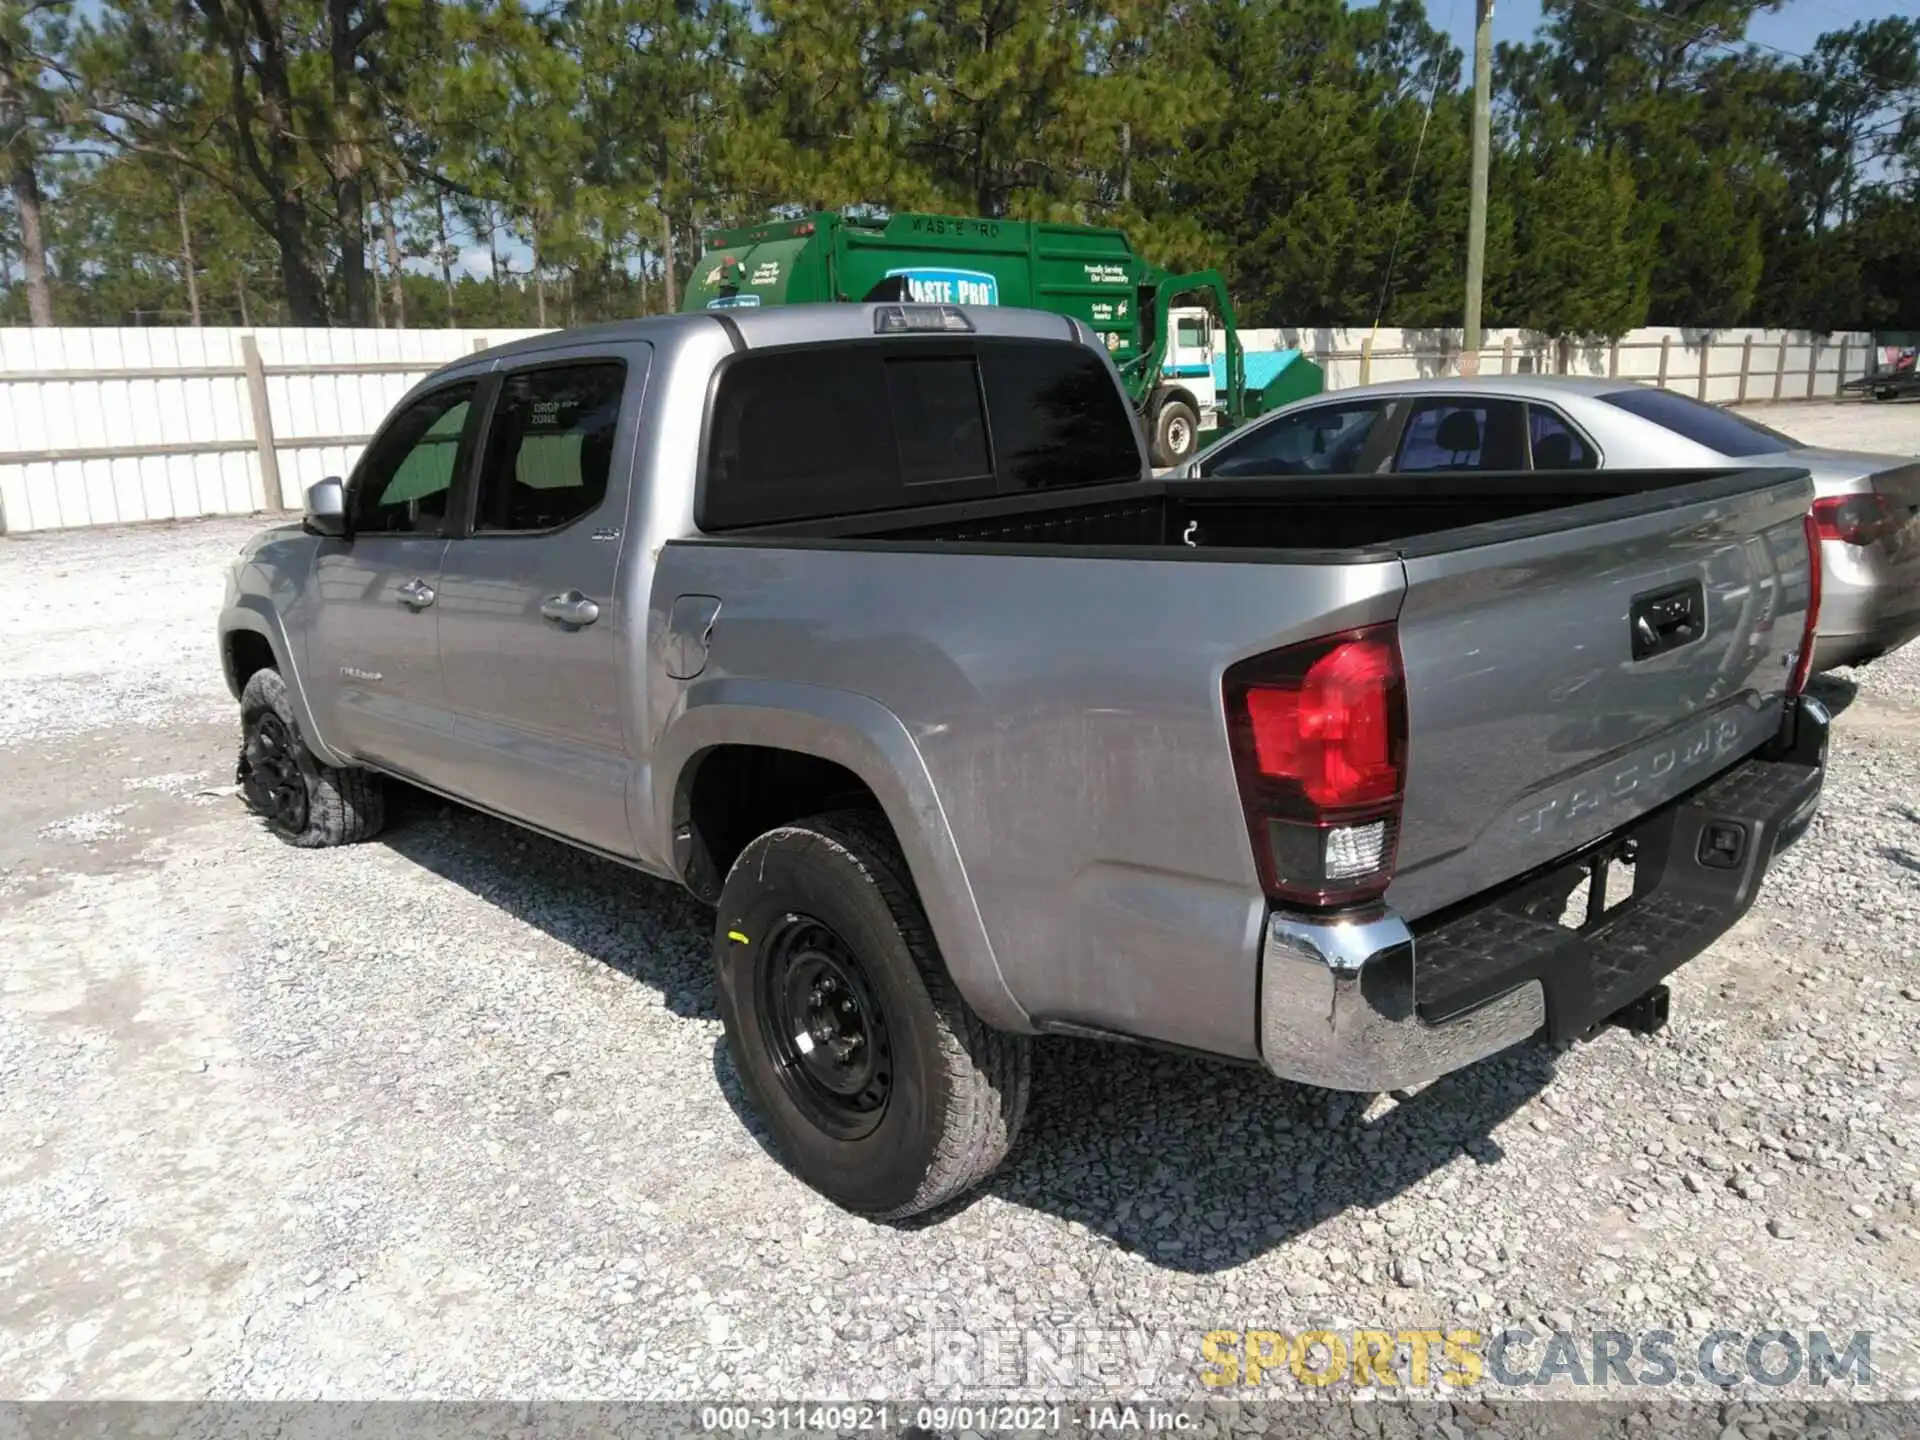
1176,433
884,1091
303,801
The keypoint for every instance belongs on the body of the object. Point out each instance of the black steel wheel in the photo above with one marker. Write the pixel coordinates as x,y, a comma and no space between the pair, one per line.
271,776
878,1084
825,1028
304,801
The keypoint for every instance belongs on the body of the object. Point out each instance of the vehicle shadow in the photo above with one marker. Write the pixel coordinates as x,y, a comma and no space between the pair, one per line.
649,930
1899,855
1836,692
1198,1165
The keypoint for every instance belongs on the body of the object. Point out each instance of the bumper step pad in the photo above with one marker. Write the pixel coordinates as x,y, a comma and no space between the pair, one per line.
1698,866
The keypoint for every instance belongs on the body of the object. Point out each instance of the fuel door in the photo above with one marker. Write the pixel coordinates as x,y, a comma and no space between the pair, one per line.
690,634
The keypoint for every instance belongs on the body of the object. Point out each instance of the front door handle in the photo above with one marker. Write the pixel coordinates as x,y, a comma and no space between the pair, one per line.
571,609
416,594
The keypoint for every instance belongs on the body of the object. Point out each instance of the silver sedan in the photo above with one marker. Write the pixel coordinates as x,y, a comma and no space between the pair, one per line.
1867,506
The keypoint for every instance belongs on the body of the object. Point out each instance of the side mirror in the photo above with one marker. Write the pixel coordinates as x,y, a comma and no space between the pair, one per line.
327,508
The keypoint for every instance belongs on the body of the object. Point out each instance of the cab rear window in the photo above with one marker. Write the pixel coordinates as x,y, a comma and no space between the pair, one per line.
821,431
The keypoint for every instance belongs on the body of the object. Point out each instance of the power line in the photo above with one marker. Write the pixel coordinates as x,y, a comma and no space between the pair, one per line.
1413,174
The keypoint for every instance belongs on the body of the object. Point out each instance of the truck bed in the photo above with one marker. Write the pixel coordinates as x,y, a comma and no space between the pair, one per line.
1074,645
1331,517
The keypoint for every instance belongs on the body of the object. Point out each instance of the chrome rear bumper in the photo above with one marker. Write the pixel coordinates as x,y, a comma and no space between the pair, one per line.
1337,1009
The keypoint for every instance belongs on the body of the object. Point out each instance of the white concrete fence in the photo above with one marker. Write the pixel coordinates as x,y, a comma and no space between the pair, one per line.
109,427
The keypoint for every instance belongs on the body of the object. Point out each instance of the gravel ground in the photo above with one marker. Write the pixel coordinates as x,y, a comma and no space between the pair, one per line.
450,1114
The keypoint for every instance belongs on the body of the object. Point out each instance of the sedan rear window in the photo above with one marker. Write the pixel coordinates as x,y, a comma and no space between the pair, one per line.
1708,425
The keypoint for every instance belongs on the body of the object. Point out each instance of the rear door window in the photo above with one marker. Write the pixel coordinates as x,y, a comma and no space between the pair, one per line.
1471,434
1556,444
550,448
845,430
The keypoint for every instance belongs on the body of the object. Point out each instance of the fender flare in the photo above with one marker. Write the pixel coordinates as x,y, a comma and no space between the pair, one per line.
255,615
862,735
1169,390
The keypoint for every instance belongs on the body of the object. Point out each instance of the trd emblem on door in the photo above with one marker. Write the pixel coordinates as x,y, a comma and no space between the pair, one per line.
690,634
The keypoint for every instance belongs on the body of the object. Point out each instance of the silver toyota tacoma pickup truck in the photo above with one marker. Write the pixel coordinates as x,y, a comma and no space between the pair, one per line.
871,626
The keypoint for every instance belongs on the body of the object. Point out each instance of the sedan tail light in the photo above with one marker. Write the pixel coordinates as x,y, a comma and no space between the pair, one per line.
1319,739
1855,519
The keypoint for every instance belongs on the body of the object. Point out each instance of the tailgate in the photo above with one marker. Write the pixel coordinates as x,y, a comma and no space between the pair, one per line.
1569,673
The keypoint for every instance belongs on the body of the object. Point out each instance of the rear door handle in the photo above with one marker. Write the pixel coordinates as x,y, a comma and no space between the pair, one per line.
570,608
416,594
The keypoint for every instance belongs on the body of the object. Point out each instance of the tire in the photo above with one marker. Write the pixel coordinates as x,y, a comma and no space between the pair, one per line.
927,1100
303,801
1176,433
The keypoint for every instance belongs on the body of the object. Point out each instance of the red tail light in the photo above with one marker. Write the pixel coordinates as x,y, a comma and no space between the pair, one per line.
1319,738
1855,519
1803,665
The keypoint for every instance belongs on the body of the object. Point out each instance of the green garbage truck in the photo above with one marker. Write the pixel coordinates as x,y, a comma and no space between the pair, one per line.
1181,382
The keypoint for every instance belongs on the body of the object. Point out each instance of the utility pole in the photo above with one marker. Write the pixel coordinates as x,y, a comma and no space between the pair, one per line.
1477,205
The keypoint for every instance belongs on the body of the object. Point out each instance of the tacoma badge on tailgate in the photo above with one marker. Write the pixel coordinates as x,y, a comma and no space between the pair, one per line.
1708,744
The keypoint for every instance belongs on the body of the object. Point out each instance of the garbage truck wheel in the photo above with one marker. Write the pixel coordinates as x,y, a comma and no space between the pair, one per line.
1176,433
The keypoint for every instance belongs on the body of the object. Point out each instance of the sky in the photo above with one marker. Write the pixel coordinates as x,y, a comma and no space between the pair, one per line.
1794,26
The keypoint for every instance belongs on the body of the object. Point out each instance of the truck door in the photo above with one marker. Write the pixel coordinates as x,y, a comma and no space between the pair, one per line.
373,659
533,637
1189,361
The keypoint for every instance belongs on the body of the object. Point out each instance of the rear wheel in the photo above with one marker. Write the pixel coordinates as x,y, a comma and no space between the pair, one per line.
883,1090
303,801
1176,433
